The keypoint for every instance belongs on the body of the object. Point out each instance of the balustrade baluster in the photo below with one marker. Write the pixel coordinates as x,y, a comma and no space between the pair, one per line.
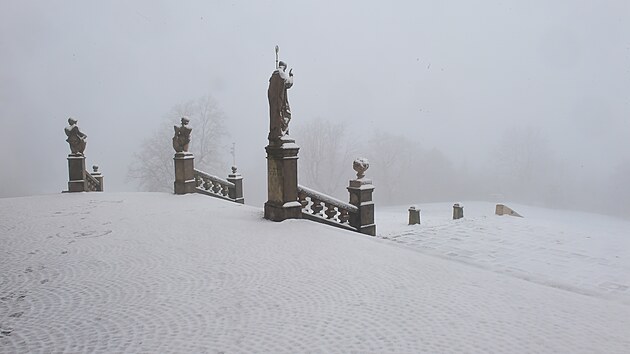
330,211
317,206
207,184
225,190
302,199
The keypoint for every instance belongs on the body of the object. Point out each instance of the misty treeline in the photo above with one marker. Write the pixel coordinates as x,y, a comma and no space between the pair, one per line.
402,170
152,166
521,167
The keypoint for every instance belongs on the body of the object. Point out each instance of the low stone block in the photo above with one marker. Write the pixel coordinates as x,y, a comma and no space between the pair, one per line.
504,210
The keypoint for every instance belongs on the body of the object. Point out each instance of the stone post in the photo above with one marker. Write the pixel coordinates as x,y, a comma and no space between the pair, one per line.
184,173
458,211
361,190
282,195
76,173
414,215
236,193
98,176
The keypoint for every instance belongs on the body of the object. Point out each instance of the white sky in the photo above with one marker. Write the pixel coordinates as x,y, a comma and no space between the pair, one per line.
454,75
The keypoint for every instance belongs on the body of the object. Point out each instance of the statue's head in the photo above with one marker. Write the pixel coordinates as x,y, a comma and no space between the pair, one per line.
185,120
282,65
72,121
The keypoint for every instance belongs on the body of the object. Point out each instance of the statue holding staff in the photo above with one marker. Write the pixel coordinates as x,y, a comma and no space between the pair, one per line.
279,109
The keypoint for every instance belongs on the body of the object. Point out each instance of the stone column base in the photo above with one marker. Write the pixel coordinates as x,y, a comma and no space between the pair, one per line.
361,196
184,173
282,197
290,210
76,173
368,229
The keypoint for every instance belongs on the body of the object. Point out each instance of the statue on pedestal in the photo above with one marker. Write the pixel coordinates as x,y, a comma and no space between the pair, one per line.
181,139
76,138
279,110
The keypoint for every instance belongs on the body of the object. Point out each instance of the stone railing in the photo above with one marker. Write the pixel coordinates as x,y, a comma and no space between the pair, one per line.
94,180
325,209
357,215
91,183
230,189
188,179
79,179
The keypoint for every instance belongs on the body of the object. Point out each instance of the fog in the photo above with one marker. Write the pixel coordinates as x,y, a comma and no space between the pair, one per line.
461,78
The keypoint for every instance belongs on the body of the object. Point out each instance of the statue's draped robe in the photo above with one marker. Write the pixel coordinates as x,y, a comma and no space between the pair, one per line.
279,110
76,139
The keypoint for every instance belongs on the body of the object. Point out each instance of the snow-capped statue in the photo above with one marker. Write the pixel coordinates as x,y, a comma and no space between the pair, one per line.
76,138
181,139
279,110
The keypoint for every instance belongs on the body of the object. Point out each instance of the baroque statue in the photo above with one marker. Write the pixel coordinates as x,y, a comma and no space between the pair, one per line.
76,139
181,139
279,110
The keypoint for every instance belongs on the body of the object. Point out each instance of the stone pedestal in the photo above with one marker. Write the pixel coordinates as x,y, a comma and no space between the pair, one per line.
458,211
361,196
76,173
236,193
184,173
282,195
414,215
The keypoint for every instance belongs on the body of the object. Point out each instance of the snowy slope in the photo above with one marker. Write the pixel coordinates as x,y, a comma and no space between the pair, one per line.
575,251
142,272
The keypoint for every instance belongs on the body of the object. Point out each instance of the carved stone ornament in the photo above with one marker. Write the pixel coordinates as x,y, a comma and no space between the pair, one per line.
76,139
360,165
181,139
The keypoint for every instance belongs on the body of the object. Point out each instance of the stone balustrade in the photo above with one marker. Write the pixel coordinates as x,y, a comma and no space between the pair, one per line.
231,189
79,179
323,208
91,183
357,215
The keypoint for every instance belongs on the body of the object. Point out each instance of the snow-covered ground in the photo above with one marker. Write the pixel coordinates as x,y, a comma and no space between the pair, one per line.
575,251
150,272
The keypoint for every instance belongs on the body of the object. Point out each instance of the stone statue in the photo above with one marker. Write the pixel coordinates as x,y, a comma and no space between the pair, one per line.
279,110
76,138
181,139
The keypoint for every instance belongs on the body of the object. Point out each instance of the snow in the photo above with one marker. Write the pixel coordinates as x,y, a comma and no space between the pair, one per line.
151,272
575,251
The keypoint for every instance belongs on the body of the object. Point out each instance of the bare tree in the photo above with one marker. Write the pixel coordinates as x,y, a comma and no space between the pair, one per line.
326,155
152,166
405,172
391,156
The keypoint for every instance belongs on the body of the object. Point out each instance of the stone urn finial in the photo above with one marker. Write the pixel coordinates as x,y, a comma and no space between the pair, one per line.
95,168
360,165
234,169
